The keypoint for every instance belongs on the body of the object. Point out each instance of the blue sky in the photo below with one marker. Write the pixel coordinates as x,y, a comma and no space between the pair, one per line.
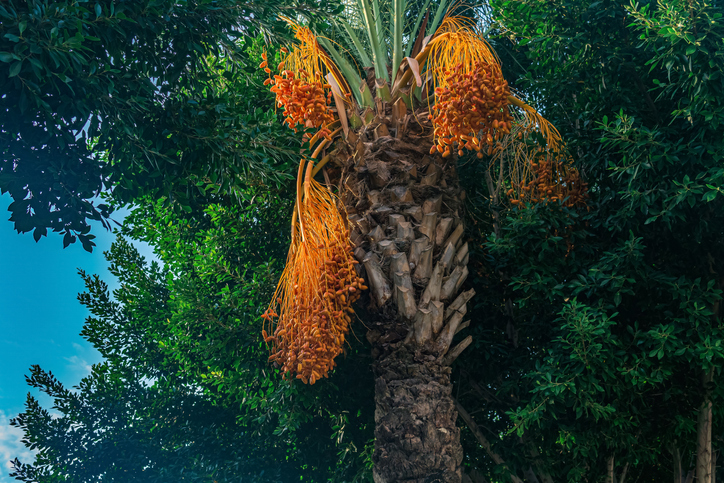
40,318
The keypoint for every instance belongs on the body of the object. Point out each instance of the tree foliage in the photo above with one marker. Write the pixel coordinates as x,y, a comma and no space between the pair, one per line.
609,318
118,426
594,329
133,99
185,386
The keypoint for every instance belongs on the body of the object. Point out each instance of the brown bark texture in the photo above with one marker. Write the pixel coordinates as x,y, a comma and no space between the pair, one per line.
404,209
676,455
703,451
713,466
703,456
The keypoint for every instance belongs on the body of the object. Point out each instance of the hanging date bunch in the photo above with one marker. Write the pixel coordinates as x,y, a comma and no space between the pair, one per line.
535,160
471,111
304,103
311,312
300,86
553,179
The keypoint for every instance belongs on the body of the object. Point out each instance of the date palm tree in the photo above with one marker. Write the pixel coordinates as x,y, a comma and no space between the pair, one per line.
389,107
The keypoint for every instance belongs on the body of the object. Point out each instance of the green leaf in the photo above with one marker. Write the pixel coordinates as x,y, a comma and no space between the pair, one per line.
432,28
379,22
15,68
398,20
349,72
35,62
366,60
378,54
39,232
6,57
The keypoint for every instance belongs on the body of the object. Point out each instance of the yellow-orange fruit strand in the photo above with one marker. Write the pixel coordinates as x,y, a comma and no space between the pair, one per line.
301,88
304,102
552,179
471,108
308,317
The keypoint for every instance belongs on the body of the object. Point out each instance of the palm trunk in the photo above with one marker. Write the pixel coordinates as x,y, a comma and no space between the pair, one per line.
404,209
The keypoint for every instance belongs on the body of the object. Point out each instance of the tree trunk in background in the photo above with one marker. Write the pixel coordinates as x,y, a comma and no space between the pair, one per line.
497,459
542,473
703,455
689,477
530,476
676,454
713,466
703,452
610,470
622,477
404,208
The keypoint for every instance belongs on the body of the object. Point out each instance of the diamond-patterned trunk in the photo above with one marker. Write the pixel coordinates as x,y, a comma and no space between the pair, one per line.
404,207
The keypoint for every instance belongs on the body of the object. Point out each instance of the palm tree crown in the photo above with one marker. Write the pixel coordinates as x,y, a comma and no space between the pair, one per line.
451,78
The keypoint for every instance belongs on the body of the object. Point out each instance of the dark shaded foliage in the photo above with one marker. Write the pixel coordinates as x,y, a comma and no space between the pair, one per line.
131,98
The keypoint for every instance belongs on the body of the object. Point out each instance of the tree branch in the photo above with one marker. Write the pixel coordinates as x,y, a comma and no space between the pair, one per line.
472,425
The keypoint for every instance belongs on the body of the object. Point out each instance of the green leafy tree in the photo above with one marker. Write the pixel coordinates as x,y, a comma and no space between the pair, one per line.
129,99
136,417
225,264
606,334
185,390
118,426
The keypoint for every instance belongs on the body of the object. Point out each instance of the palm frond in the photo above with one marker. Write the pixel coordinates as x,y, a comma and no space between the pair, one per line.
371,25
359,48
398,19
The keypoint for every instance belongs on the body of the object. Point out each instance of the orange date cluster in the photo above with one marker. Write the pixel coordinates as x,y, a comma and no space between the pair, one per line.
471,110
304,102
552,181
311,310
308,339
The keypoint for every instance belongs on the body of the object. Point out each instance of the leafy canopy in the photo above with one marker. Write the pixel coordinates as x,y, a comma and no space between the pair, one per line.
129,99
